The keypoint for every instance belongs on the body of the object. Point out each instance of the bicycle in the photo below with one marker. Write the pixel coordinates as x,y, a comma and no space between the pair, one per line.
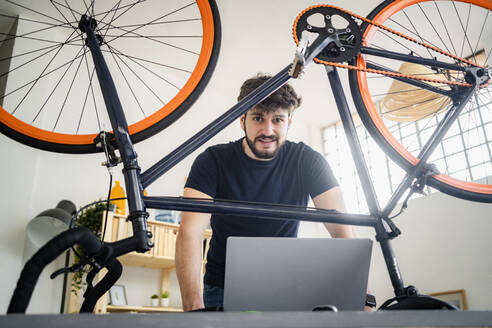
340,37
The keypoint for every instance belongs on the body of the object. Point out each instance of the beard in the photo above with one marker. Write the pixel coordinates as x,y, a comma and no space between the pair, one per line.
266,154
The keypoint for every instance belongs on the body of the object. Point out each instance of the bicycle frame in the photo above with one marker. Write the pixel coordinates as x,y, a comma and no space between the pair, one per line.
378,218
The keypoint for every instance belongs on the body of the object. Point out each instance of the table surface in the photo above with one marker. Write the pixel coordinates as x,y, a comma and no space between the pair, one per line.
408,318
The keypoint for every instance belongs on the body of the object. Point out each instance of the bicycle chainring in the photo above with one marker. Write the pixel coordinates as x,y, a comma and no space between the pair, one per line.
321,22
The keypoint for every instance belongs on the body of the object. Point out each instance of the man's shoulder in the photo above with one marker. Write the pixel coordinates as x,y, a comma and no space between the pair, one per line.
304,155
298,147
218,153
223,147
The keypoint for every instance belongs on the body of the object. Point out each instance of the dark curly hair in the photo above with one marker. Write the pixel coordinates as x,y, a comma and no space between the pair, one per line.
285,97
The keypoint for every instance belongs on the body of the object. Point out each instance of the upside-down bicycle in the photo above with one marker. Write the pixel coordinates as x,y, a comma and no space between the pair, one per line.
403,66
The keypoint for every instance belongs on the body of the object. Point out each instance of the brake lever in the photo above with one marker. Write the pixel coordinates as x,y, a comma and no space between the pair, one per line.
74,268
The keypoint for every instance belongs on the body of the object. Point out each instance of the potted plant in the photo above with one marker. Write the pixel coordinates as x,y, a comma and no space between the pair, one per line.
91,217
154,300
165,299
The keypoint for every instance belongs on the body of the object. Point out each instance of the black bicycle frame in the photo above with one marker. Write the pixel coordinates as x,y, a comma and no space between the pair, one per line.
135,183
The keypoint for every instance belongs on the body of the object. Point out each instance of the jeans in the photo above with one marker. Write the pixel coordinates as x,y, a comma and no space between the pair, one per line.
213,296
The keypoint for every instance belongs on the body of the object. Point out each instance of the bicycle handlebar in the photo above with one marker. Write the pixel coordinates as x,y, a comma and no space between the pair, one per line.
91,245
93,294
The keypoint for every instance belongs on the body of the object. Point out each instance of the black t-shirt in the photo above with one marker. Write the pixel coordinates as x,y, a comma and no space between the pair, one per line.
226,172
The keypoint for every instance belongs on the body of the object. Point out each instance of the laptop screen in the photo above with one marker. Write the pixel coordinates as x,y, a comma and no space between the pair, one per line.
296,274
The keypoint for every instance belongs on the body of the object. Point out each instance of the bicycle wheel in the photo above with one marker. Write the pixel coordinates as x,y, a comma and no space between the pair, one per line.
401,116
161,54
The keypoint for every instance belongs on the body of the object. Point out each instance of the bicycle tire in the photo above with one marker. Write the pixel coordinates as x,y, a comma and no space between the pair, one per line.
365,96
140,129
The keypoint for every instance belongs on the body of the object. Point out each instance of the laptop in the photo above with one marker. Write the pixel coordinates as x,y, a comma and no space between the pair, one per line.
296,274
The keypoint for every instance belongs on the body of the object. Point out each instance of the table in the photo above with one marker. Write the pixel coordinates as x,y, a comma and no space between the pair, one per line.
409,318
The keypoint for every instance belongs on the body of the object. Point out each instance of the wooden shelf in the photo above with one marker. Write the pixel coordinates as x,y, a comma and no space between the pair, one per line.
129,308
161,257
147,261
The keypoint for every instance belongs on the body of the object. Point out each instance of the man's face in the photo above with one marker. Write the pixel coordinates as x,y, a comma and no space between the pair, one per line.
265,132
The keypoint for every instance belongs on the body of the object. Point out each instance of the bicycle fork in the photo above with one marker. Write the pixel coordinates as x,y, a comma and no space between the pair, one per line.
140,241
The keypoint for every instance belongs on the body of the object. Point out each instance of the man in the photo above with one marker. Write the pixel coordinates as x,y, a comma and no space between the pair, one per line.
262,167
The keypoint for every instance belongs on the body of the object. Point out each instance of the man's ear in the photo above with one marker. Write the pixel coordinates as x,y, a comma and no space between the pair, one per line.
291,115
241,121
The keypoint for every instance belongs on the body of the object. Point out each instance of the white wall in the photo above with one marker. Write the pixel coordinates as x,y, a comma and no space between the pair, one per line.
256,38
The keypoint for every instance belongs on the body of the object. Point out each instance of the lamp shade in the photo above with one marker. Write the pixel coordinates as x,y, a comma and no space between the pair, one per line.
50,223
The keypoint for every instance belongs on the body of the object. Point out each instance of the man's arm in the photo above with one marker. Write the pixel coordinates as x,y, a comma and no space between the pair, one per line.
332,200
188,255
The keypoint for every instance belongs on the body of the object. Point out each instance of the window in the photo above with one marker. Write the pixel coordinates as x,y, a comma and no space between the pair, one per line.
468,159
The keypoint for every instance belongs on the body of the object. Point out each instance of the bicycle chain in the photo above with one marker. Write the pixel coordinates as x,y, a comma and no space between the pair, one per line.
375,71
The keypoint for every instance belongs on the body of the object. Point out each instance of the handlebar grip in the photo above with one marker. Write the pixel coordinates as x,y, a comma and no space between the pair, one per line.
82,236
92,295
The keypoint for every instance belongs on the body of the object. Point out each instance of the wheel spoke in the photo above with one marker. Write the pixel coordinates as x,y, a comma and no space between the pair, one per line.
40,75
56,86
54,47
72,11
150,71
400,43
112,19
125,6
67,6
157,36
158,23
151,62
93,3
152,39
379,95
465,36
416,103
114,12
480,35
25,36
66,19
28,53
152,21
127,83
89,86
33,21
86,7
34,11
434,28
68,93
36,79
416,32
92,92
445,27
